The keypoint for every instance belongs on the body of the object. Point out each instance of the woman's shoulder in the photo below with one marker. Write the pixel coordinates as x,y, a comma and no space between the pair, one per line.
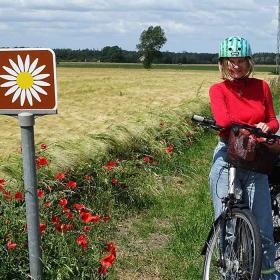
217,85
257,81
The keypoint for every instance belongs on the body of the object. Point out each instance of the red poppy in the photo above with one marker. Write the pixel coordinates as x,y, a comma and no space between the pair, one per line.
108,260
111,165
147,159
55,220
169,149
11,245
59,176
48,204
42,228
40,193
78,206
63,202
66,210
7,195
43,146
88,178
69,216
71,184
87,217
102,270
106,218
63,227
19,196
41,161
2,181
87,228
114,181
82,240
110,248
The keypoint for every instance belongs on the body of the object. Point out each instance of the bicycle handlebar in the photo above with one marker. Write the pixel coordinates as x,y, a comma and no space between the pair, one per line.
254,130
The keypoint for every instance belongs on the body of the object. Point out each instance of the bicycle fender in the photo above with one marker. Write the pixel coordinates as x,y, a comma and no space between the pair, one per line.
237,205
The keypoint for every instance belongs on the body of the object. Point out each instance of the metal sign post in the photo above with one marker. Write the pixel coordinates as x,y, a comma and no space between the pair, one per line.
26,121
28,88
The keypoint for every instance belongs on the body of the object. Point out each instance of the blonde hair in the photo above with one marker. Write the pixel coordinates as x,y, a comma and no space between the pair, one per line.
224,70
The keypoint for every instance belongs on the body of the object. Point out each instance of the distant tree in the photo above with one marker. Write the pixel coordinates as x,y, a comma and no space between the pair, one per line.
151,41
112,54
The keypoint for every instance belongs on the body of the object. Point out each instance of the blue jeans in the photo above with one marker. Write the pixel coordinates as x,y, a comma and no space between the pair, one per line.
255,193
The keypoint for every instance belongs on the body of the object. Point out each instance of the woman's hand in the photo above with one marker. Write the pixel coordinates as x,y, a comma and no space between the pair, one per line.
264,127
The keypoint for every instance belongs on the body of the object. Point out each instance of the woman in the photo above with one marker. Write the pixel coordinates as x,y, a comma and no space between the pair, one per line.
244,100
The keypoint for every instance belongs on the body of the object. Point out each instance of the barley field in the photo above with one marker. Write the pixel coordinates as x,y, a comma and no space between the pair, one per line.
93,101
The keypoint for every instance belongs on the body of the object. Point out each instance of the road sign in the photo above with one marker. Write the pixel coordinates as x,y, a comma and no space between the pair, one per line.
27,81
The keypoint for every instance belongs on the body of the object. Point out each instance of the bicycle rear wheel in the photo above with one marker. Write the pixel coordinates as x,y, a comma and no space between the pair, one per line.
234,250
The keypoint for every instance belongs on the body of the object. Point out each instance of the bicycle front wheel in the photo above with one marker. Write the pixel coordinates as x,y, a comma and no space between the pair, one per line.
234,250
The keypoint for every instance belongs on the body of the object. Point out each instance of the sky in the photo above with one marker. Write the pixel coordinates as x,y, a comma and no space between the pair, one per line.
189,25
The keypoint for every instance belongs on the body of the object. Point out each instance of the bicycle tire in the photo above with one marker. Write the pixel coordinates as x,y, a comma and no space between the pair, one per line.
241,258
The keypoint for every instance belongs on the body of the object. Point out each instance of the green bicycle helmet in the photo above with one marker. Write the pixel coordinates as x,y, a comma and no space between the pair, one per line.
235,47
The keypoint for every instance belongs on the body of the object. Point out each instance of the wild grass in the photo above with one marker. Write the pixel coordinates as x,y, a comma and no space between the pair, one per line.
109,103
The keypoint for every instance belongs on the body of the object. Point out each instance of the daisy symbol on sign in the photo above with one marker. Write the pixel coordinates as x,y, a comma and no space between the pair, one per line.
24,80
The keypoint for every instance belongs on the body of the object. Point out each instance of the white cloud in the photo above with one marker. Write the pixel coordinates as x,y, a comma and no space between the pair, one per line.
96,23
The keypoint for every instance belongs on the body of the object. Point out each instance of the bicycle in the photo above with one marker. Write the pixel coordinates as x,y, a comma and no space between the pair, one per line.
233,249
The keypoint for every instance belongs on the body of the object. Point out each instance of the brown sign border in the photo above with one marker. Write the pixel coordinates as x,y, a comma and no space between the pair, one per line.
34,111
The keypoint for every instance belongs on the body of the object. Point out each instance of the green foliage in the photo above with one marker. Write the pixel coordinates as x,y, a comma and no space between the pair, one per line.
151,41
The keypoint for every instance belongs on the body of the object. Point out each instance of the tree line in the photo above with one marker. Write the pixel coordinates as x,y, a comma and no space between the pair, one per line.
116,54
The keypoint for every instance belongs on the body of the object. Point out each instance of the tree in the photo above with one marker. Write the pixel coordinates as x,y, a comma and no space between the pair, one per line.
151,41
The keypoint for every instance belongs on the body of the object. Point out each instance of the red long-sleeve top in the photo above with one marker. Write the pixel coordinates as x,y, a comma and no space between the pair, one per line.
244,101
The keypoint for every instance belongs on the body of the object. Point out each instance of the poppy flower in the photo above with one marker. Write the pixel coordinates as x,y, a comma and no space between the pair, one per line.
87,217
43,146
106,218
63,227
19,196
108,260
87,228
69,216
102,270
110,165
48,204
82,240
114,181
88,178
59,176
41,161
55,219
40,193
169,149
42,228
11,245
63,202
147,159
78,206
66,210
71,184
2,181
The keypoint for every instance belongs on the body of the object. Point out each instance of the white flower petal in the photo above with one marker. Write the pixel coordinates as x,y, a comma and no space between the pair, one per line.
27,63
11,90
41,83
39,89
9,84
16,95
35,94
20,64
33,65
22,97
38,70
29,97
8,77
15,67
41,77
10,71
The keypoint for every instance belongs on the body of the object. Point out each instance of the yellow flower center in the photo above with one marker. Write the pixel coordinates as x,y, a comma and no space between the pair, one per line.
24,80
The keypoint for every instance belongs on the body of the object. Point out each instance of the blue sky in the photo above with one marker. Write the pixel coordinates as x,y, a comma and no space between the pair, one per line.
190,25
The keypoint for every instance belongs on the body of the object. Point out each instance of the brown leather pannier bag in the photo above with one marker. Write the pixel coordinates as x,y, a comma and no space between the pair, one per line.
247,151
